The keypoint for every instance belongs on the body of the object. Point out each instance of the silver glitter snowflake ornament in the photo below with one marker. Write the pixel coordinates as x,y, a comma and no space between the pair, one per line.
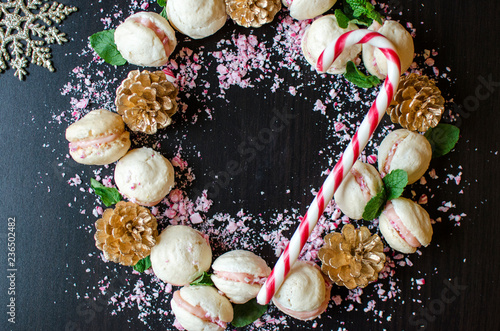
25,30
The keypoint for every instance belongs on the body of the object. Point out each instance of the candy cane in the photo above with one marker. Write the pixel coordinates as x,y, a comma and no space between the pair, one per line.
350,155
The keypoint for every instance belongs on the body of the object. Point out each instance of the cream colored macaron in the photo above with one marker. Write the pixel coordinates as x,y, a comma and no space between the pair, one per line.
308,9
197,18
375,61
239,275
145,39
144,176
201,308
406,150
304,294
361,184
405,225
322,33
181,255
98,138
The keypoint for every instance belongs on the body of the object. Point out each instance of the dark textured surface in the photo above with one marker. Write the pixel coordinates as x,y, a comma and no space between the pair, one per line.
49,248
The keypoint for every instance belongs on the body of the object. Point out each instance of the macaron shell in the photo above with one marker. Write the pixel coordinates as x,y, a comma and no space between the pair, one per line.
319,35
103,154
303,290
308,9
181,255
376,62
393,238
413,154
415,219
349,196
237,292
242,261
197,18
139,45
191,322
144,175
209,300
99,122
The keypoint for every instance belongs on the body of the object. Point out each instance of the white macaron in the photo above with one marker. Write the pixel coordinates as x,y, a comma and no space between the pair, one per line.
322,33
406,150
405,225
144,176
181,255
201,308
98,138
376,62
197,18
308,9
239,275
145,39
305,293
361,184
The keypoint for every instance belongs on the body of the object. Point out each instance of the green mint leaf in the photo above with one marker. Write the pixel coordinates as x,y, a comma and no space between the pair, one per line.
362,12
247,313
162,3
342,19
358,78
103,43
164,13
143,264
395,183
109,195
203,280
442,138
374,207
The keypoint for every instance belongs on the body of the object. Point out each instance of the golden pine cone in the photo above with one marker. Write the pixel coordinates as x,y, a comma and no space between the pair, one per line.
418,104
146,101
252,13
127,233
352,258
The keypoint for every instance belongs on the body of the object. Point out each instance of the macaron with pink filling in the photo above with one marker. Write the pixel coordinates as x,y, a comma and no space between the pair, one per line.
405,225
144,176
145,39
305,293
181,255
361,184
406,150
240,274
322,33
201,308
308,9
98,138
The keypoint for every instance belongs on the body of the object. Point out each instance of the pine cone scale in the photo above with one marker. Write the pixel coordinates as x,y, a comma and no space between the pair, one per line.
145,96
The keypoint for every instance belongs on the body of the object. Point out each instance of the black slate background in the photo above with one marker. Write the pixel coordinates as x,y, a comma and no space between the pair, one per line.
49,248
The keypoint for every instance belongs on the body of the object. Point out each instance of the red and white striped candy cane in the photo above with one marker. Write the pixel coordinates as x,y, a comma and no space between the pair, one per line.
350,155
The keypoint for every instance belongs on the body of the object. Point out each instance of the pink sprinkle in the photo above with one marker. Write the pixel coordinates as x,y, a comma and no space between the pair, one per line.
423,199
420,281
372,159
196,218
339,126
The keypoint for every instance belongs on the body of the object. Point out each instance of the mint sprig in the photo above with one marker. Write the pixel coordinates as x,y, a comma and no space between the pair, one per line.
247,313
203,280
163,4
143,264
355,76
103,43
109,195
360,12
394,185
442,138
